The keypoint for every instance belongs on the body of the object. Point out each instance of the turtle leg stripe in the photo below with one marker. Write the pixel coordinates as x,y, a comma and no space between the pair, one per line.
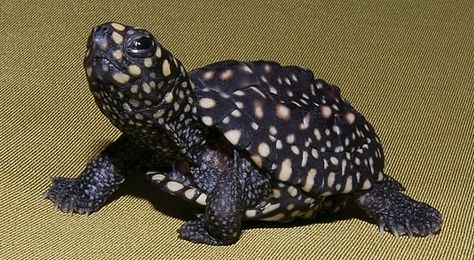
177,184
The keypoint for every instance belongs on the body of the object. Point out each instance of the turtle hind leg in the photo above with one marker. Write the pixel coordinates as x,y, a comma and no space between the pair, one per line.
398,213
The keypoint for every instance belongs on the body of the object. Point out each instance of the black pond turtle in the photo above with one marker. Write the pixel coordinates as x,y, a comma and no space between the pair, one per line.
246,140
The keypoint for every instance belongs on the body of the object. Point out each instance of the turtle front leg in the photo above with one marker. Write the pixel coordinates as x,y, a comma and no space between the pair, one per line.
100,179
221,222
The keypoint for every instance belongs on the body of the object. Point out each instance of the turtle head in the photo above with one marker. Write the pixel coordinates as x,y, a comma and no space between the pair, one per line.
132,76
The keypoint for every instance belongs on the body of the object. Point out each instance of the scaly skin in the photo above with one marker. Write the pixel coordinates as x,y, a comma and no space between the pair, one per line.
246,140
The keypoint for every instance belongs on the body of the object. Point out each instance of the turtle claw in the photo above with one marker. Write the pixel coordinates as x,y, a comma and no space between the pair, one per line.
69,197
400,214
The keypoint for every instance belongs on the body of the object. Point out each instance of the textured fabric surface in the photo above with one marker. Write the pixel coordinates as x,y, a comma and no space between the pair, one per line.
406,65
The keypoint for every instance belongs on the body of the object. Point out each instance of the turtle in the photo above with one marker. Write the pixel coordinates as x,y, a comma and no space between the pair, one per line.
244,140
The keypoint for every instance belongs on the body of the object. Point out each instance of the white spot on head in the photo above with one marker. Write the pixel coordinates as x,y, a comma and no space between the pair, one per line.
134,70
166,70
134,102
169,97
159,113
89,71
117,38
118,26
121,78
117,54
148,62
158,52
334,160
233,136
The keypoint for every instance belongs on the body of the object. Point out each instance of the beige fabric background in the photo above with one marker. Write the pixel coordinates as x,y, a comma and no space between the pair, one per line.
407,65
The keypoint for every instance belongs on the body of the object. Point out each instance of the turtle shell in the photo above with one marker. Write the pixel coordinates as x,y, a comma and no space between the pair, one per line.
295,127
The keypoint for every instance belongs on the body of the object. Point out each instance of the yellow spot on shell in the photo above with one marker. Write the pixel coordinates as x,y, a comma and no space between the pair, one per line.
285,170
227,74
309,182
207,120
208,75
331,179
326,111
348,186
207,103
166,68
283,112
350,117
257,159
264,149
233,136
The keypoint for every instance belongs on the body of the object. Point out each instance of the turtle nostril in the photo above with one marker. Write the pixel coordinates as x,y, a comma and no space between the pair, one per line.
100,30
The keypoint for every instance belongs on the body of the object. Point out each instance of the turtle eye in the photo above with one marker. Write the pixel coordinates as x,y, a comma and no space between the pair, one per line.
141,47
